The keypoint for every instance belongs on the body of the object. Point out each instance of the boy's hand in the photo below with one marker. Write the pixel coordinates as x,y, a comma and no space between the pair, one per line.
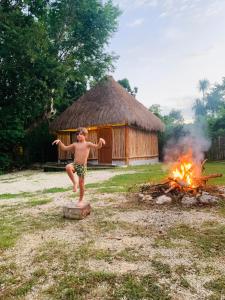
56,142
102,141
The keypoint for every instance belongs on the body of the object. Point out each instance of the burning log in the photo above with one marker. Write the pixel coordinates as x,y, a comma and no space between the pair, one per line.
203,178
181,183
170,189
203,163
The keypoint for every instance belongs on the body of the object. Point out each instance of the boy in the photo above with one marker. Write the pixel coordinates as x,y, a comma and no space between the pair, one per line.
81,151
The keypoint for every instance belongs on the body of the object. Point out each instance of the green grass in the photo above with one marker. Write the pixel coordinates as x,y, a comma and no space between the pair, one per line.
55,190
217,286
121,183
215,167
118,287
149,173
161,268
18,195
207,240
29,194
12,225
221,207
35,202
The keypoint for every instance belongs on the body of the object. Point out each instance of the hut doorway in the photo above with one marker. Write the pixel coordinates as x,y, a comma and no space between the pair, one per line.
105,153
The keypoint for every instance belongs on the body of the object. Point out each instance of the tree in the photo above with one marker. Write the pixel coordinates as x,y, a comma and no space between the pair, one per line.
156,110
214,101
199,108
174,126
126,84
203,86
49,52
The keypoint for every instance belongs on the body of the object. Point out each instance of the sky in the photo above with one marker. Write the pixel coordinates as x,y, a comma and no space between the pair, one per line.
166,46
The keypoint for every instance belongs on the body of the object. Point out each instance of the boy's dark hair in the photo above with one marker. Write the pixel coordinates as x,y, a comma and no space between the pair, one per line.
83,130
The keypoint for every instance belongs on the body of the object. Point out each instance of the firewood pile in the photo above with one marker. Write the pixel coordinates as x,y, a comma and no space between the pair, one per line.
162,193
184,187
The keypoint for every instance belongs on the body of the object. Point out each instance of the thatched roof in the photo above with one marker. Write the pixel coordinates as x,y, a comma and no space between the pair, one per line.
107,103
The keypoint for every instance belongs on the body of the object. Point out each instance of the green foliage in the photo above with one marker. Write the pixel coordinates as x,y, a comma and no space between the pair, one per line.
38,145
211,107
174,126
50,51
203,86
126,84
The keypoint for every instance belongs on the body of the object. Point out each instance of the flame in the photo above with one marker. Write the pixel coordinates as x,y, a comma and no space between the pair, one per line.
185,171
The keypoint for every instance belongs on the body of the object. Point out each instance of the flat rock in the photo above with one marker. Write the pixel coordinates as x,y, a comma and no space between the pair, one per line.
163,200
189,201
144,197
206,198
73,210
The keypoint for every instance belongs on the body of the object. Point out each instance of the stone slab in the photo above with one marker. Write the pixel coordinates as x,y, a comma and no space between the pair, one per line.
74,211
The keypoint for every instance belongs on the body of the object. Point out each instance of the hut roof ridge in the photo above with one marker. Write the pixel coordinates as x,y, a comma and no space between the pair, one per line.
107,103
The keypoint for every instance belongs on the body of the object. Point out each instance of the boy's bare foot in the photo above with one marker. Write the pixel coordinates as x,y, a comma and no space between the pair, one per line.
75,187
80,203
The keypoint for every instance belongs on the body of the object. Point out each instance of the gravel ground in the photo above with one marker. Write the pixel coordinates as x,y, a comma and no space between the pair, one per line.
32,181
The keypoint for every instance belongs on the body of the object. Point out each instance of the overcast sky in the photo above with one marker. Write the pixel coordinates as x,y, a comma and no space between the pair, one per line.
167,46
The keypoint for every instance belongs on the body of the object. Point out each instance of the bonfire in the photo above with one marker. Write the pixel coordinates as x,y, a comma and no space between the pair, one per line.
185,180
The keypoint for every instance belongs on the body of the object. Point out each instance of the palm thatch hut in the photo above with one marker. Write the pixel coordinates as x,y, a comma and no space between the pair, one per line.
110,112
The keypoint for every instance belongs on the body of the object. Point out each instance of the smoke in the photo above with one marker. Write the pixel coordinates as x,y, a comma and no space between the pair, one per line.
194,141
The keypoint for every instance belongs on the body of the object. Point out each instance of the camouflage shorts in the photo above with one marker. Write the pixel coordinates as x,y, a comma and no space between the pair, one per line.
81,170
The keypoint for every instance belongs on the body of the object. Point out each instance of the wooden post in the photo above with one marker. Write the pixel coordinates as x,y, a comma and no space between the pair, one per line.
127,144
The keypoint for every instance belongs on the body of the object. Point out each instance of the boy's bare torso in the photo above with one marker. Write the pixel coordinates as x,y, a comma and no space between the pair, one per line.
81,152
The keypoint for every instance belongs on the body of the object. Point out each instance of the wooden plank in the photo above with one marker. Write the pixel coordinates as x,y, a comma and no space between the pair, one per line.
118,142
127,146
93,137
65,138
142,143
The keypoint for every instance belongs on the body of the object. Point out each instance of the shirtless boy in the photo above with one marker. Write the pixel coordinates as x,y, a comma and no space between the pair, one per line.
81,151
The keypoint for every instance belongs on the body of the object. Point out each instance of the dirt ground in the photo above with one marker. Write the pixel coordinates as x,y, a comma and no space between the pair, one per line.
31,181
124,250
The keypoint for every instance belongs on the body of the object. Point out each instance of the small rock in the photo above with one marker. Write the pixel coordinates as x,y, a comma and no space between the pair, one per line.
141,196
163,200
206,198
188,201
147,198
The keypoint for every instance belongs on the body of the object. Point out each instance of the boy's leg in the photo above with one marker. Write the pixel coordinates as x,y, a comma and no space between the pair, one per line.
70,171
81,185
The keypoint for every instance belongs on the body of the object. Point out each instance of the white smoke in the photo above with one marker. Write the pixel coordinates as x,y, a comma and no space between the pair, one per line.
196,140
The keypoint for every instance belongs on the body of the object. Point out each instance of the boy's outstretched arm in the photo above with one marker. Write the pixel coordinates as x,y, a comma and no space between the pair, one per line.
99,145
63,147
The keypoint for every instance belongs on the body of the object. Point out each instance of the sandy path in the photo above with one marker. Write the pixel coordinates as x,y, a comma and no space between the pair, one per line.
31,181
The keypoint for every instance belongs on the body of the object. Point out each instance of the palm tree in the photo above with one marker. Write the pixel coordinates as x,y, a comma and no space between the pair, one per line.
203,86
199,108
214,101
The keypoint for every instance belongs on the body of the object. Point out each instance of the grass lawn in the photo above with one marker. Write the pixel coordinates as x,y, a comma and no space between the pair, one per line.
154,174
123,250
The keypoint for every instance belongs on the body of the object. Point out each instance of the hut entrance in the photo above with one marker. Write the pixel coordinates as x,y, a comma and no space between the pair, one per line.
105,153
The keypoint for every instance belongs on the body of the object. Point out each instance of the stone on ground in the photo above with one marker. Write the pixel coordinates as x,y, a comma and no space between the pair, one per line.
163,200
73,210
189,201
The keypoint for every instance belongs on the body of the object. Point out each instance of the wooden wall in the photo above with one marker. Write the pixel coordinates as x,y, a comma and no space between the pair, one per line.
217,149
118,143
126,141
65,138
142,144
70,137
93,137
